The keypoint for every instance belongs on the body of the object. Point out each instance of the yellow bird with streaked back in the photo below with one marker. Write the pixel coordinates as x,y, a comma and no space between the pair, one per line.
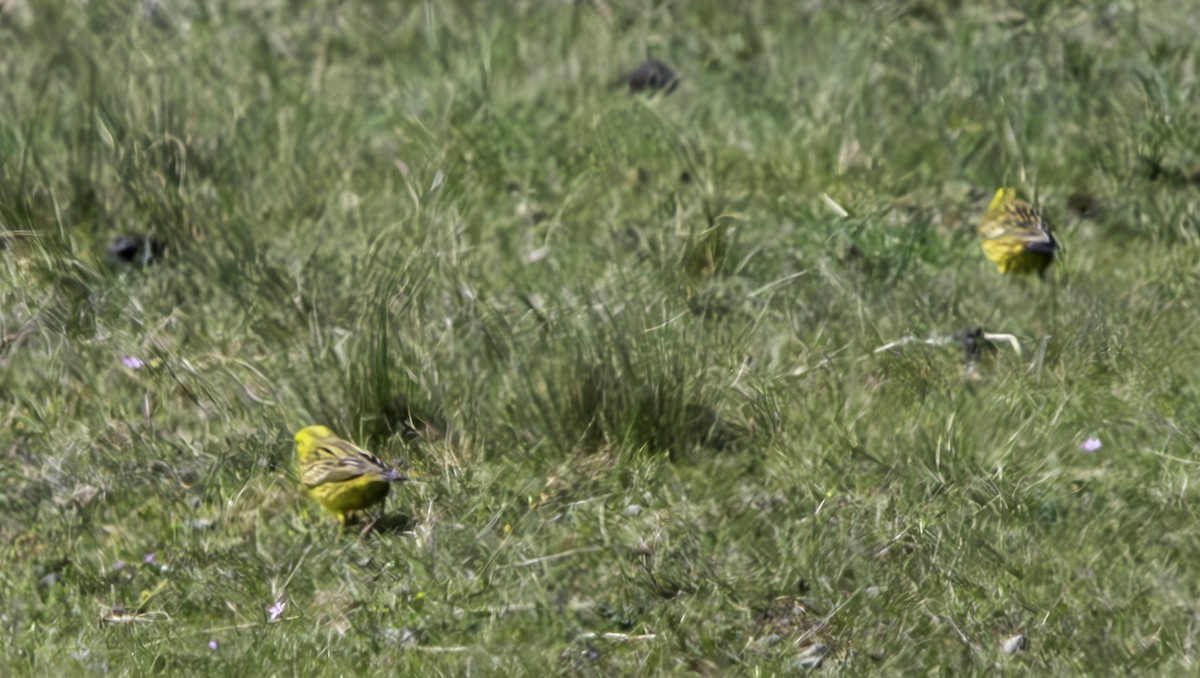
341,476
1015,236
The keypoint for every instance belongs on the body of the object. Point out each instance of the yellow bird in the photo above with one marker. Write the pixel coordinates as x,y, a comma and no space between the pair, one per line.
1015,236
340,475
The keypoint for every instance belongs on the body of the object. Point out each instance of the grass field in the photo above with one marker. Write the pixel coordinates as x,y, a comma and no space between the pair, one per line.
625,344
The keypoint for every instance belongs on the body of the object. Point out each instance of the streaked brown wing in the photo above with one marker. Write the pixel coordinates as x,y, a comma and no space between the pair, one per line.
346,462
351,450
1027,223
324,471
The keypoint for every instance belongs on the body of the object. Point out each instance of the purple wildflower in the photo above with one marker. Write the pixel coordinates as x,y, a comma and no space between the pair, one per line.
275,610
1090,445
132,362
212,644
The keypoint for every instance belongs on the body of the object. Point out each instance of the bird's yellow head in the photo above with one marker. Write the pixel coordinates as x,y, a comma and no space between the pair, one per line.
1002,199
309,437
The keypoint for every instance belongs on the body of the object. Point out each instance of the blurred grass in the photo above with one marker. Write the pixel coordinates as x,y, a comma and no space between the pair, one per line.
623,343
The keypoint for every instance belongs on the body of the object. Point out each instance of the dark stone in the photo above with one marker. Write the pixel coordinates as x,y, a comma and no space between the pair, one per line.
973,344
652,76
134,249
1083,203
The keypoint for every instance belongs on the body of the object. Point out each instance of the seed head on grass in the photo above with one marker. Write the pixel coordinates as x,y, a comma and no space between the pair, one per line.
341,476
